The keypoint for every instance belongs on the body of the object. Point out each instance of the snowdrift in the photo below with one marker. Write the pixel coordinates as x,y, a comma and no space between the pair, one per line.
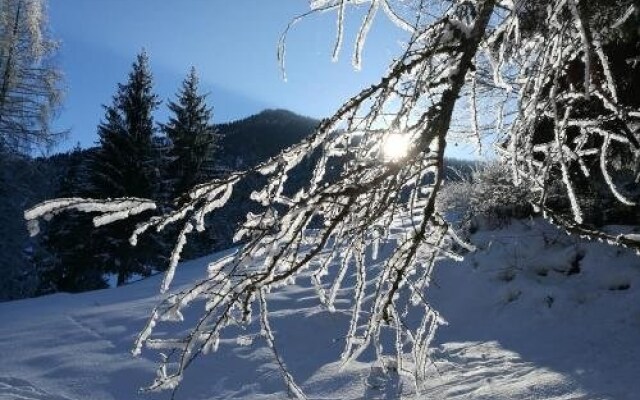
533,314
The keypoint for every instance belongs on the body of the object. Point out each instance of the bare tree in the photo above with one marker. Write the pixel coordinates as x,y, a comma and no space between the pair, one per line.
504,54
29,83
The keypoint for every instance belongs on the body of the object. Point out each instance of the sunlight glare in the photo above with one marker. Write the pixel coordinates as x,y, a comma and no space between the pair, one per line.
396,146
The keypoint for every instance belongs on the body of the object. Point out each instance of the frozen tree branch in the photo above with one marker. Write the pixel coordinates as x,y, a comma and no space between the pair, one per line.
330,227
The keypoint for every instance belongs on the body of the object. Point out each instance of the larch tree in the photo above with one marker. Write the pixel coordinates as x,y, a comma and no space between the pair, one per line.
192,135
30,93
30,89
561,110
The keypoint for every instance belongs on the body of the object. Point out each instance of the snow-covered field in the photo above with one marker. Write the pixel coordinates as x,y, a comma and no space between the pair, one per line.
533,314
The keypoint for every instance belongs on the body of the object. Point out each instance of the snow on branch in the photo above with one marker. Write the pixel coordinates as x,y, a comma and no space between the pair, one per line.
333,225
568,129
341,6
356,210
110,210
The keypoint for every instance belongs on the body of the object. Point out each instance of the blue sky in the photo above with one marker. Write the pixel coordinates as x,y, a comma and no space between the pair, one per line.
231,43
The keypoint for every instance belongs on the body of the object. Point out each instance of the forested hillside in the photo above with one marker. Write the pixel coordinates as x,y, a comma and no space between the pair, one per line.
249,141
26,181
241,145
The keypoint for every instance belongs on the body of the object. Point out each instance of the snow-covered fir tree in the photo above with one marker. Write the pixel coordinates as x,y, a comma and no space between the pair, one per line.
192,136
558,105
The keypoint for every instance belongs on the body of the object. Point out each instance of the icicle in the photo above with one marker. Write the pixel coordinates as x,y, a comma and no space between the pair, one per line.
340,30
363,32
211,344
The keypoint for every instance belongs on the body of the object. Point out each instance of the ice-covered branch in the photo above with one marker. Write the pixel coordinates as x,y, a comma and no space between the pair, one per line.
568,127
110,210
355,208
334,225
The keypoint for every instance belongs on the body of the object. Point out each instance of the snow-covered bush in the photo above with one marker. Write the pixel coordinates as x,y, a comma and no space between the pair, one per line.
488,198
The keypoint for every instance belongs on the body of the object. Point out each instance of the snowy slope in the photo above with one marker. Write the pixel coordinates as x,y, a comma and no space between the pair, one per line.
533,314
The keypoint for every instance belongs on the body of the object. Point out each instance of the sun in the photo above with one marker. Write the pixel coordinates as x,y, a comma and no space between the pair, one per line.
396,146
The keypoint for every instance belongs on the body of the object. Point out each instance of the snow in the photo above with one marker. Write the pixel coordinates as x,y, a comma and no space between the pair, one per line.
111,210
532,314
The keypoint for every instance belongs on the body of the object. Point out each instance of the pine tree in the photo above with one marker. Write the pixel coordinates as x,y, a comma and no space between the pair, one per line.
126,166
19,185
192,136
66,264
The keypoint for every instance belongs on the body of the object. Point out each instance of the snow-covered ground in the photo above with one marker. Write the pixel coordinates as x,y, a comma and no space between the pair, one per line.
533,314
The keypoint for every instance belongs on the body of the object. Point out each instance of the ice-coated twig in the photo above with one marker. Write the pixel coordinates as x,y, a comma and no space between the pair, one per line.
356,194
